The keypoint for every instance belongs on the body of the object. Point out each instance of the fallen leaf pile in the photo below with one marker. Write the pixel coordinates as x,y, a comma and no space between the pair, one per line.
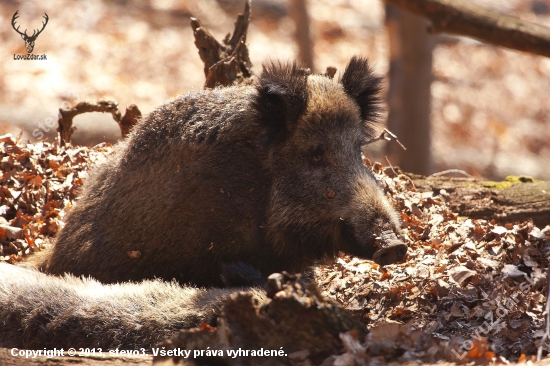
474,284
40,182
468,290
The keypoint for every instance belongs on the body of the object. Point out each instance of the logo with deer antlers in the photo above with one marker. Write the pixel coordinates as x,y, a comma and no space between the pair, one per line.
29,40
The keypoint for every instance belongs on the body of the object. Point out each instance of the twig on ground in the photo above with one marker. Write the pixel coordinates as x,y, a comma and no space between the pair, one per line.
448,172
391,166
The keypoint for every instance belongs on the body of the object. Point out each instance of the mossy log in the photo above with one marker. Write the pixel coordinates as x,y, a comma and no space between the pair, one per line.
514,199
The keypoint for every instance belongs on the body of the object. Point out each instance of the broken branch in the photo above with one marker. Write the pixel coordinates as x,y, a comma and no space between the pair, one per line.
66,116
227,63
386,135
457,17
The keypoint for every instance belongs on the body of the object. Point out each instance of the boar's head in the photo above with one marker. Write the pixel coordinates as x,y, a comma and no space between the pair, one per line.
322,198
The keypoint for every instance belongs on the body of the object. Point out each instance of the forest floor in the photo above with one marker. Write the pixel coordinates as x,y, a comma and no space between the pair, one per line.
468,290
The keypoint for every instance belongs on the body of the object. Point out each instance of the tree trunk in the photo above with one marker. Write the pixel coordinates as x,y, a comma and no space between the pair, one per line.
409,94
300,16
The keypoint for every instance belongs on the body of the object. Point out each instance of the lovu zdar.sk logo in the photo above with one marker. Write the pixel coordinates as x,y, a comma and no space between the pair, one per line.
29,40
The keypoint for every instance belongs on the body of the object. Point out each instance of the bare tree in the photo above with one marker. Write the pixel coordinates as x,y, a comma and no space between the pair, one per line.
300,16
409,95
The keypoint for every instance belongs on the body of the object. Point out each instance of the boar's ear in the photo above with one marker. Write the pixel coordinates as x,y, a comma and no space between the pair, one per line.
363,86
281,99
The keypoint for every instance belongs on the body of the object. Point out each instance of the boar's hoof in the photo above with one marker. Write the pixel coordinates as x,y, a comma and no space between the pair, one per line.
393,252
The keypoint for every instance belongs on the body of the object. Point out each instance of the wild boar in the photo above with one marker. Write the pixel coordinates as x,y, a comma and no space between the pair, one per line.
268,175
41,311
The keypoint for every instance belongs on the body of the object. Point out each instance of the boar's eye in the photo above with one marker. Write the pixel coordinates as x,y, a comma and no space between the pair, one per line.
317,155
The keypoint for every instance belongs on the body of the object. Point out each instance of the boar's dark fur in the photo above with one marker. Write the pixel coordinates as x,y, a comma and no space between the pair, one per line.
40,311
268,175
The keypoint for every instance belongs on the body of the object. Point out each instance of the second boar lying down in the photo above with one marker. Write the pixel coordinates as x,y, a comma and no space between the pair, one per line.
40,311
268,175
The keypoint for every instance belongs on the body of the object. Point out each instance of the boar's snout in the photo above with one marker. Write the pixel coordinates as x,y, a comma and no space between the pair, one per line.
392,249
393,252
384,248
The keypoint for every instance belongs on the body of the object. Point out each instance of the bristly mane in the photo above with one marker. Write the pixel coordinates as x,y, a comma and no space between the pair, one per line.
282,97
